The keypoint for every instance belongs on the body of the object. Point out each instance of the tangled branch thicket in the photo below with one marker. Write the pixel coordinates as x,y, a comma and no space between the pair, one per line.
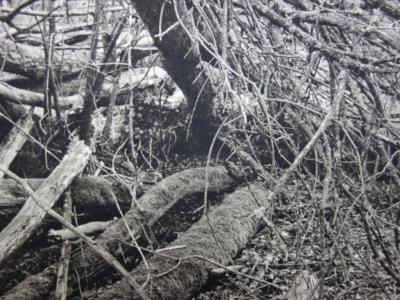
307,92
285,65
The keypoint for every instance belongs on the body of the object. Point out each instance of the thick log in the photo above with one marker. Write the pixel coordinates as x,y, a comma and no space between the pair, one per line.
36,258
31,215
88,229
15,139
218,237
30,61
88,192
139,81
25,97
153,205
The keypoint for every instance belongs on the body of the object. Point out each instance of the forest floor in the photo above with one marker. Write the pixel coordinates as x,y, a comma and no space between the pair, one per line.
295,251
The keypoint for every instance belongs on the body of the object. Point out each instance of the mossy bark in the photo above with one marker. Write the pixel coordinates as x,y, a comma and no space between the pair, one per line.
153,205
219,237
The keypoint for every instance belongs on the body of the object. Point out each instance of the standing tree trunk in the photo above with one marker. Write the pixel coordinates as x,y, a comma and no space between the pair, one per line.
182,60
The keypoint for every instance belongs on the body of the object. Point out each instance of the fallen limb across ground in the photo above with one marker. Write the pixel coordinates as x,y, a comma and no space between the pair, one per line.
29,218
87,192
218,236
153,205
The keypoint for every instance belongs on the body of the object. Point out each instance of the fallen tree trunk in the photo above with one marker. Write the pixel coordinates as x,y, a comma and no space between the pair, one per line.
218,237
137,81
30,61
153,205
31,216
25,97
87,192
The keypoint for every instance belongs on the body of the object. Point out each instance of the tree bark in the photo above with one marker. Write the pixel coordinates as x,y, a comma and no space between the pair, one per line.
30,61
182,60
218,237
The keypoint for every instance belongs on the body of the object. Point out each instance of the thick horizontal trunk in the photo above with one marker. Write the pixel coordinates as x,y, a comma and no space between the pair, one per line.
218,237
30,61
138,81
153,205
89,192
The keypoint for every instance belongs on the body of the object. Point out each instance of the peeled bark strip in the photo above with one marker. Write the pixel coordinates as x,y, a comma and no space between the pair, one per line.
15,139
153,204
218,237
31,216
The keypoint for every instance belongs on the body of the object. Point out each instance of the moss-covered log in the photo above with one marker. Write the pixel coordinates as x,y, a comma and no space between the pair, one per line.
219,237
87,192
153,205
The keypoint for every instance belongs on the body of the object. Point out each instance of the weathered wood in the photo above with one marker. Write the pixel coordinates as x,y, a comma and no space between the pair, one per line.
25,97
15,139
30,61
90,242
88,229
31,216
218,237
153,205
139,81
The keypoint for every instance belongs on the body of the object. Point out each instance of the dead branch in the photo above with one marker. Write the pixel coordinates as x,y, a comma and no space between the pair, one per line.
31,215
153,205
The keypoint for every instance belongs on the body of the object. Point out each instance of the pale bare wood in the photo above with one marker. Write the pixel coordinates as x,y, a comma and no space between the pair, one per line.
98,249
31,215
141,78
25,97
88,229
